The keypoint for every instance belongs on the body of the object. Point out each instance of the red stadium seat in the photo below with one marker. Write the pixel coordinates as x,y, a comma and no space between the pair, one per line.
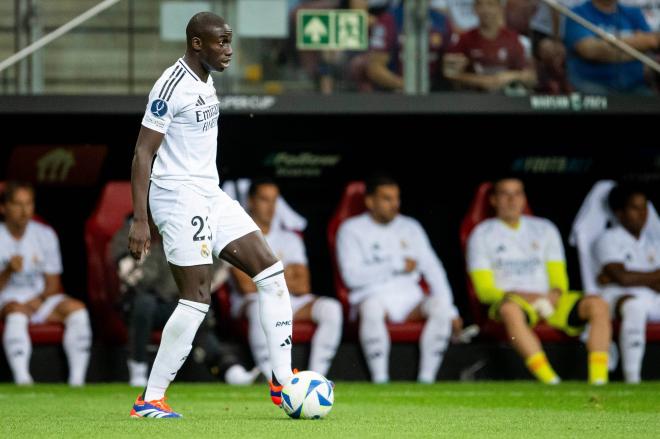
351,204
45,333
479,210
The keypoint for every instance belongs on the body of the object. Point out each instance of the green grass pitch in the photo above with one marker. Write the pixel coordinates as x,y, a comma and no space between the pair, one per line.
454,410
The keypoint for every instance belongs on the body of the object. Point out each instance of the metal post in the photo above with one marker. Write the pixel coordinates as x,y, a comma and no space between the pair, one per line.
410,47
20,37
423,46
37,58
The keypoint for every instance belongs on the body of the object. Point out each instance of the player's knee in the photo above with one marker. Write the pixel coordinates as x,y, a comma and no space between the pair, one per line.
634,310
144,303
327,309
372,310
436,308
15,307
69,306
597,308
511,312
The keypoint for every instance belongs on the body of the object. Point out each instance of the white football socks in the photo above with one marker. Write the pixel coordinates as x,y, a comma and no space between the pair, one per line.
18,347
632,338
375,339
434,338
257,339
276,318
77,342
175,345
327,314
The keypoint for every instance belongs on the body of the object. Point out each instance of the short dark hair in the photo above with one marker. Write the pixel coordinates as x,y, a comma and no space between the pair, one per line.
11,187
200,24
258,182
376,180
621,194
500,178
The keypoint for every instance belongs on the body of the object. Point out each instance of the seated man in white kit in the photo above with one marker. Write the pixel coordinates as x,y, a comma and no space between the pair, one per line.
31,290
289,247
382,256
628,255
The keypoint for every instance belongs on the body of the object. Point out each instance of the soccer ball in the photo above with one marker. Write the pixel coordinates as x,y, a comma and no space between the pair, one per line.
307,395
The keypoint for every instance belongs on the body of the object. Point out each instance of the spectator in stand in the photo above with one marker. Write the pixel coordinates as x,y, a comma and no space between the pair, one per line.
594,65
489,57
31,288
149,296
386,41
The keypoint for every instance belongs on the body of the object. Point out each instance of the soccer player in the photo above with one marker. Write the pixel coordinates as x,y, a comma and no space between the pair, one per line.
382,255
517,266
326,312
31,289
629,258
195,218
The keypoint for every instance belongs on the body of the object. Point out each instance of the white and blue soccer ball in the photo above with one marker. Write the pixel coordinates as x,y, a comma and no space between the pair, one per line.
308,395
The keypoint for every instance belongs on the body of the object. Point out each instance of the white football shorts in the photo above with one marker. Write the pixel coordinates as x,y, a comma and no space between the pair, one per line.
195,227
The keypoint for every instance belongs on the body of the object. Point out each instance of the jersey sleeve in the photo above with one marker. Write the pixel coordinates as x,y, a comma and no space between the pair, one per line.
296,250
554,250
477,252
606,251
52,255
575,32
161,107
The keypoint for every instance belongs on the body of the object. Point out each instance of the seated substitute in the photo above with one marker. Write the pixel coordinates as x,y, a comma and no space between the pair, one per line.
517,266
31,289
382,256
628,255
289,247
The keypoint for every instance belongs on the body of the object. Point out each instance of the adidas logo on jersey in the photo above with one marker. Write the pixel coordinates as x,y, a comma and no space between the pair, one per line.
200,101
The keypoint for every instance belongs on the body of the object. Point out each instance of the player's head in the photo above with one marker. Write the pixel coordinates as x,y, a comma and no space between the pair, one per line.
262,197
209,39
383,198
508,198
490,12
629,204
17,203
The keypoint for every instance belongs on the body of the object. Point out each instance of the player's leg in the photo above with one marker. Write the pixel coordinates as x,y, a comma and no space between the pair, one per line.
374,338
525,342
77,340
632,336
326,312
16,340
141,324
434,338
257,336
252,254
595,311
179,331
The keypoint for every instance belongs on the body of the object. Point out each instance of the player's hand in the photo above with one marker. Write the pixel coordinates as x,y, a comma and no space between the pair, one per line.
410,265
139,239
456,326
553,296
15,264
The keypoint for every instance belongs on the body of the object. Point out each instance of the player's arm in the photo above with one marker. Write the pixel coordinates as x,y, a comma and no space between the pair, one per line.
53,286
15,265
617,273
297,279
244,283
147,144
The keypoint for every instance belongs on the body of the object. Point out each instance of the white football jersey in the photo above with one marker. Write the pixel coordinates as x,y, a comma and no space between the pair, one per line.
518,256
617,245
186,110
40,250
288,246
371,257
